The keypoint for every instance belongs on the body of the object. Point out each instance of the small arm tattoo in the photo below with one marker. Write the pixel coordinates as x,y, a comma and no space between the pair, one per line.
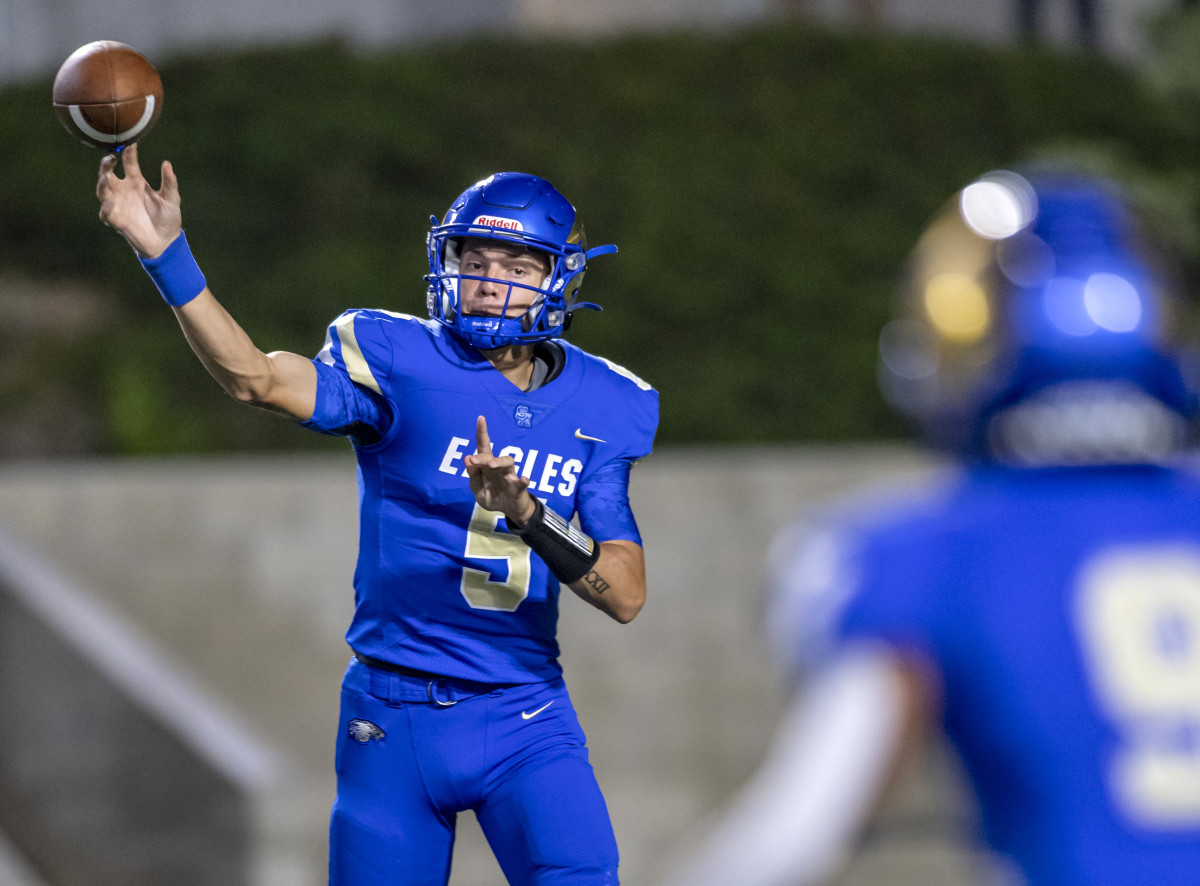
594,581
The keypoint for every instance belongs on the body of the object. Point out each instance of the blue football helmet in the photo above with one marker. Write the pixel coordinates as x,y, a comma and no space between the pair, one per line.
1038,325
514,208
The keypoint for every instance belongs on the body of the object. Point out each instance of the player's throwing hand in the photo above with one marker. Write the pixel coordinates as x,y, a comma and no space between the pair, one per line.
147,218
495,481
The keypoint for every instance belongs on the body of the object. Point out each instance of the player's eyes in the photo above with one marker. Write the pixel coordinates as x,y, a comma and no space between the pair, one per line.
480,267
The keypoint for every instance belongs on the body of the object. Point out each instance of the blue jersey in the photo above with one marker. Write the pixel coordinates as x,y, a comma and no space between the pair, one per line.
441,585
1062,608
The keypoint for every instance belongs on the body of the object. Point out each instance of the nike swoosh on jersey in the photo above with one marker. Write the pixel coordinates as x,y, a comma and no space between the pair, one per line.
529,715
582,436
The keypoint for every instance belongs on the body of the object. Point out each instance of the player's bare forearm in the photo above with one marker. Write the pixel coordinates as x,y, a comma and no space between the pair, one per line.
616,584
151,221
281,382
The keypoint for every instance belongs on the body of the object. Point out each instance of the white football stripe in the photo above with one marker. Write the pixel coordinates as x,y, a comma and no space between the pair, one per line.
352,355
93,133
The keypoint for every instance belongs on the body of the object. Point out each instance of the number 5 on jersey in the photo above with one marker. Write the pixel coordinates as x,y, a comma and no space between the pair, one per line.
486,542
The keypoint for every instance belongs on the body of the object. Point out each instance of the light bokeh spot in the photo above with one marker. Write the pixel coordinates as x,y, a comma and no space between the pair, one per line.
957,307
1112,302
998,205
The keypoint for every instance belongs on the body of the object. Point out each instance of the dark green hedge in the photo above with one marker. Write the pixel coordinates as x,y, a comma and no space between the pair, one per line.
763,186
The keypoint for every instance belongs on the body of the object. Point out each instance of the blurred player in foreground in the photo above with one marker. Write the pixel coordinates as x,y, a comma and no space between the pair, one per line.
455,698
1041,602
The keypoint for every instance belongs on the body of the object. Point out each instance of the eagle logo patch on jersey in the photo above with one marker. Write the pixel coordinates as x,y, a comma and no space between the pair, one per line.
523,416
363,731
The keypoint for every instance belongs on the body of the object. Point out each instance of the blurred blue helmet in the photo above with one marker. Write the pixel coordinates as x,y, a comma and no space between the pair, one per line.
513,208
1038,324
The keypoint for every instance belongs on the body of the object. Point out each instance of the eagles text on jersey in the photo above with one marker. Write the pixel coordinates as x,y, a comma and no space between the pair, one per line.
441,585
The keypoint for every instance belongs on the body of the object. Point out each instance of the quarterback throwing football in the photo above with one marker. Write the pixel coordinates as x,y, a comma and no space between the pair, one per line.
454,699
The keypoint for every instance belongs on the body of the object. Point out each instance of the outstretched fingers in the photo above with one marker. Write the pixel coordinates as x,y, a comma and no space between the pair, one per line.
483,443
494,480
129,163
150,220
107,174
106,184
169,188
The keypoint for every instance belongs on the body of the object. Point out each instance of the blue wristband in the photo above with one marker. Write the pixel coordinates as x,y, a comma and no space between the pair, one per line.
176,273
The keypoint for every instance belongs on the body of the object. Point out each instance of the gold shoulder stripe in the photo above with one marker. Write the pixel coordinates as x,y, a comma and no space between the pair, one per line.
622,371
356,363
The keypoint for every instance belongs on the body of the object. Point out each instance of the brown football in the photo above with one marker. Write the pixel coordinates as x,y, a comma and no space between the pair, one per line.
107,94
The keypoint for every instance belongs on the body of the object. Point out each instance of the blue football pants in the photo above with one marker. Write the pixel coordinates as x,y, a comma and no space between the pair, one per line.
516,756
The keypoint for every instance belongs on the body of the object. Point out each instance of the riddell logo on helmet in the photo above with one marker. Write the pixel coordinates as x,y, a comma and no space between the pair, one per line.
504,224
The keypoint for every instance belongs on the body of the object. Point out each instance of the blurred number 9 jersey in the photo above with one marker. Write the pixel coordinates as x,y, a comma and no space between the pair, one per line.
441,585
1062,610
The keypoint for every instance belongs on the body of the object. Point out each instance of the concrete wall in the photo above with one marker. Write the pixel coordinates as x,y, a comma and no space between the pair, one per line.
14,868
238,572
36,35
97,790
1121,24
115,766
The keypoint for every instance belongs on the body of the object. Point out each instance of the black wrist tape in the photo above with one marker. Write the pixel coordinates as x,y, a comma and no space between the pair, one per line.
569,553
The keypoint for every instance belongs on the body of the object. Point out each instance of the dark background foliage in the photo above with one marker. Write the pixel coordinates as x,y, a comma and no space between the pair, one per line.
764,187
